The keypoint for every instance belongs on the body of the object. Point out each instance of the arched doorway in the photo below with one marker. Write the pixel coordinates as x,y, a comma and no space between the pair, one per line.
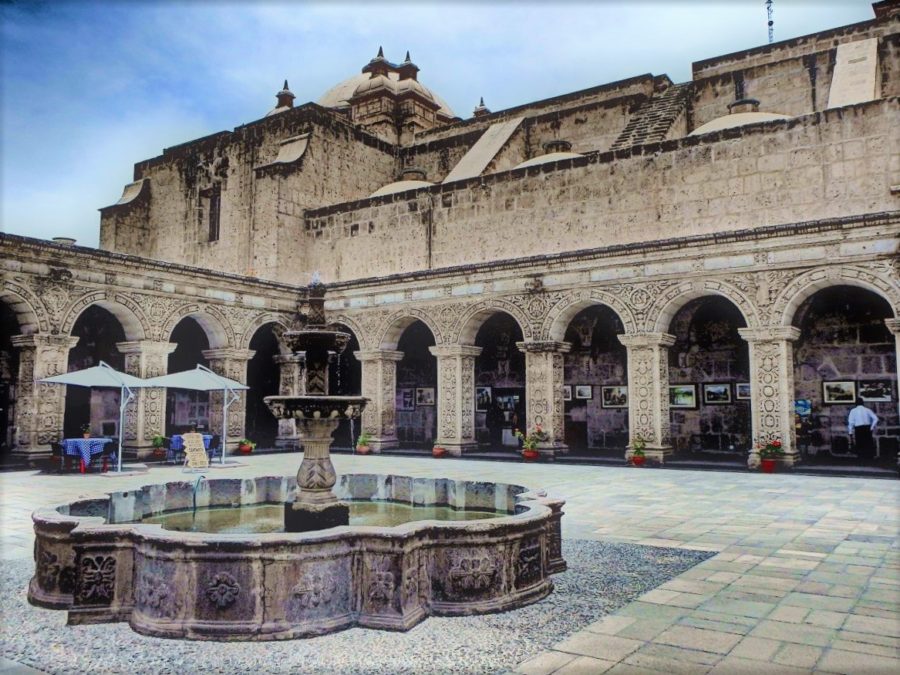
263,377
98,331
416,387
499,382
187,409
596,383
709,375
844,351
345,379
9,377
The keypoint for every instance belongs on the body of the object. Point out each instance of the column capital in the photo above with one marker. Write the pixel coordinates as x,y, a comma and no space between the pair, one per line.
893,325
769,333
378,355
455,350
44,340
290,358
538,346
229,353
149,347
646,339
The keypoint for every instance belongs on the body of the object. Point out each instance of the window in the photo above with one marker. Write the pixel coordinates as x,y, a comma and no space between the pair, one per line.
210,209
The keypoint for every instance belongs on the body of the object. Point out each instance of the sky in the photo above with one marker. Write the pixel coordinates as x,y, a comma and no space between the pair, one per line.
87,89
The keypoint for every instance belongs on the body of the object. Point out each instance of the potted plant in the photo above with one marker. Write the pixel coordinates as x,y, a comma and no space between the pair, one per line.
86,430
245,445
362,443
769,454
530,442
158,442
438,450
637,451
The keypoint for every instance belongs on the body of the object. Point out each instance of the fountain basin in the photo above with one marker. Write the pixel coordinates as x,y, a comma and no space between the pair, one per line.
316,407
96,559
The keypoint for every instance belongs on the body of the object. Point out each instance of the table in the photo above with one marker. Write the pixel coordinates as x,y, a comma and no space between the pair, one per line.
84,447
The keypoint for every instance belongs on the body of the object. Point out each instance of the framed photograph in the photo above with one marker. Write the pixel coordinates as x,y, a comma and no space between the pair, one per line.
839,391
742,391
567,392
406,399
584,391
425,396
614,396
482,399
716,393
803,407
682,395
876,391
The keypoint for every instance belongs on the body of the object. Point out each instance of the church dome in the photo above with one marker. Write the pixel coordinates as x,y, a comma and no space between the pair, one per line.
549,157
736,120
400,186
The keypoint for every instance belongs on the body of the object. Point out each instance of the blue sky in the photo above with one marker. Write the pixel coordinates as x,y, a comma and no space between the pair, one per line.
90,88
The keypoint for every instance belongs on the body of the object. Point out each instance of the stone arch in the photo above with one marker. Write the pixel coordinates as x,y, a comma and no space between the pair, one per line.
660,316
468,324
127,312
399,322
260,321
564,311
802,287
218,329
354,326
27,307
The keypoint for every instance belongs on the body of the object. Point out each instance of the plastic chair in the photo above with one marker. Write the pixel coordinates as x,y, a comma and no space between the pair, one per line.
214,447
110,454
57,451
170,453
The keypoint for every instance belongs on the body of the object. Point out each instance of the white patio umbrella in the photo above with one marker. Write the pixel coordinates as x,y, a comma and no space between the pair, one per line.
104,376
202,378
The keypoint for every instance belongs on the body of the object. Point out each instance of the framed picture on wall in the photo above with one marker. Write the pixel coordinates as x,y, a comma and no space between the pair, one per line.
742,391
876,391
682,395
425,396
584,391
716,393
614,397
839,391
567,392
406,399
482,399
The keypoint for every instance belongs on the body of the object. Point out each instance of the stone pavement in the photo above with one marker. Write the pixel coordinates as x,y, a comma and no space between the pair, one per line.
807,576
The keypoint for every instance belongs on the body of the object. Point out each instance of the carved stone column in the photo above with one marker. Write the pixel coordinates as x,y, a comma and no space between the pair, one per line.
772,386
40,407
291,382
648,392
379,385
894,326
145,416
456,397
544,392
231,363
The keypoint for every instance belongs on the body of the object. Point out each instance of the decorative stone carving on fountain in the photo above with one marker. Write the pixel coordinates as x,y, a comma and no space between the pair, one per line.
315,506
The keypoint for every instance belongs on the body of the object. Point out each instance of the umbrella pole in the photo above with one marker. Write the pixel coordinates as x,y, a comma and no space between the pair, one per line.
225,404
123,403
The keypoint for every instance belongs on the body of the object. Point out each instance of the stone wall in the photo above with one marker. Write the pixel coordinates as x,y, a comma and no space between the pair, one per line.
825,164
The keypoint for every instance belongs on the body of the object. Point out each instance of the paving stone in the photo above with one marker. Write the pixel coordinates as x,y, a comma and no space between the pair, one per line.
799,656
544,664
792,632
607,647
757,649
699,639
789,614
737,666
839,661
611,625
865,624
585,665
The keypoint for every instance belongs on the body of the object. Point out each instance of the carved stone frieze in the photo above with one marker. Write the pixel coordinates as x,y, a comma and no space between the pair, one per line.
222,590
96,580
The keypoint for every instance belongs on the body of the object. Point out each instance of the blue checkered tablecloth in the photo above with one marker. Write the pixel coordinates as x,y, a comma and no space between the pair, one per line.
85,447
178,441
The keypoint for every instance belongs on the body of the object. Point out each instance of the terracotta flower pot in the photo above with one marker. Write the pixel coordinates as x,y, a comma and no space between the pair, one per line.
767,465
638,460
246,449
530,455
438,451
363,449
86,435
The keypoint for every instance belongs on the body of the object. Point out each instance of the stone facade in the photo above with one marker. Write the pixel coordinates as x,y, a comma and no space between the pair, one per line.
599,198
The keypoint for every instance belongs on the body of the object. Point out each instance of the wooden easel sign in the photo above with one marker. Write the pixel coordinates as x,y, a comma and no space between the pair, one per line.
195,456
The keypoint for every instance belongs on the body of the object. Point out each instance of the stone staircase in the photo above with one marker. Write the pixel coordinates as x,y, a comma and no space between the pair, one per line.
652,120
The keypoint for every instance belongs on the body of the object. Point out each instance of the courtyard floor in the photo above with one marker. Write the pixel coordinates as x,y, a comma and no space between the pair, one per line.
805,576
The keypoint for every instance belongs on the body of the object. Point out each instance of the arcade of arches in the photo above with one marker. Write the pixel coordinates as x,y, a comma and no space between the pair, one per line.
690,367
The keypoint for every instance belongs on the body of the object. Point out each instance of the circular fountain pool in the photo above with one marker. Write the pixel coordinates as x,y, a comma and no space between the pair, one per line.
418,546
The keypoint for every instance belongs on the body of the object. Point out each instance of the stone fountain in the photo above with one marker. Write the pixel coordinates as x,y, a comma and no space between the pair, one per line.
315,506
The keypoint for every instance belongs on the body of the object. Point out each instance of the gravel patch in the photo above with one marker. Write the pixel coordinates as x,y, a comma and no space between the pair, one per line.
601,578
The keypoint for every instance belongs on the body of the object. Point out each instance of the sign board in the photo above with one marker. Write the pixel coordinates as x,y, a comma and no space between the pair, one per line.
195,456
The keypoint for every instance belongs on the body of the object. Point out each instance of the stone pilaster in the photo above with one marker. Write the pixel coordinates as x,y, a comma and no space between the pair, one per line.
379,385
231,363
772,386
456,397
291,382
648,392
893,325
40,407
544,392
145,416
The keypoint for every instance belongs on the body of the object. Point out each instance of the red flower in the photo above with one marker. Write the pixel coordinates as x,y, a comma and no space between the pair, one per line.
777,444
